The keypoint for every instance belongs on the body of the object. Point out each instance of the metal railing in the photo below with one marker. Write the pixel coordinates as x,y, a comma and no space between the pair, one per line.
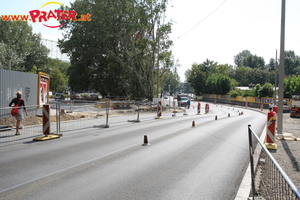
27,128
273,184
76,116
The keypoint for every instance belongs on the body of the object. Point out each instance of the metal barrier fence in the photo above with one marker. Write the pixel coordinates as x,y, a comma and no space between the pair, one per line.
275,184
68,116
97,114
28,127
86,115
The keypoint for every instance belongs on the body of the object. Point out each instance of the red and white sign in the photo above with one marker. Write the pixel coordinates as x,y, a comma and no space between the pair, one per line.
46,119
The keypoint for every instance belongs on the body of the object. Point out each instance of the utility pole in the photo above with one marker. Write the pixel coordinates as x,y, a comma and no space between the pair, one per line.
281,70
275,68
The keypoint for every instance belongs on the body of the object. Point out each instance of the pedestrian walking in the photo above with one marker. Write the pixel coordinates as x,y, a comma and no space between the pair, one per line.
21,104
188,104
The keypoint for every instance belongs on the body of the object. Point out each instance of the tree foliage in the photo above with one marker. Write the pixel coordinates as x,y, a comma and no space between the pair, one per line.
170,79
122,51
57,70
21,47
272,65
291,86
253,61
198,74
242,76
217,83
291,63
263,91
238,59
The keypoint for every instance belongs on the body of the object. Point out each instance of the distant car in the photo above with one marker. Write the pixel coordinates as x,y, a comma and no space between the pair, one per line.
59,96
94,96
183,101
78,96
165,97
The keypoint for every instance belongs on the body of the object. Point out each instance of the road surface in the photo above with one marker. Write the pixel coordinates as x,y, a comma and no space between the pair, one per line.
206,161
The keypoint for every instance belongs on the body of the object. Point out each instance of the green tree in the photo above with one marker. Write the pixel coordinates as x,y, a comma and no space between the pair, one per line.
272,65
58,80
124,50
242,75
291,63
224,69
291,86
198,74
57,69
264,91
267,90
258,76
257,90
253,61
170,79
185,87
235,92
217,83
22,47
238,59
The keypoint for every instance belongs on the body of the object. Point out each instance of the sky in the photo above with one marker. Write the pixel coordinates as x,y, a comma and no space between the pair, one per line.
216,30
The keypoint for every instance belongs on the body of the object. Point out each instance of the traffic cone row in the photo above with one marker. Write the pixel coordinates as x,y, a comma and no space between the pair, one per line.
193,125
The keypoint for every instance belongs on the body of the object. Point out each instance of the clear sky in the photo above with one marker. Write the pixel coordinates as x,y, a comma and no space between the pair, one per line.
215,29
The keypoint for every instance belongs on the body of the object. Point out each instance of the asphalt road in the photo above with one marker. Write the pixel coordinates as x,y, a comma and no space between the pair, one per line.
207,161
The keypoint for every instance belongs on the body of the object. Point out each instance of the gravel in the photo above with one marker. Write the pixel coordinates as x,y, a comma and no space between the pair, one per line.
287,155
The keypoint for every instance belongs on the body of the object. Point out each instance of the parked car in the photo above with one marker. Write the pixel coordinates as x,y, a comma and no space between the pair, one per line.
59,96
94,96
76,96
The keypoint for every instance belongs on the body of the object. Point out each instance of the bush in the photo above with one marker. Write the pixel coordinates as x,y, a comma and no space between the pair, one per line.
234,93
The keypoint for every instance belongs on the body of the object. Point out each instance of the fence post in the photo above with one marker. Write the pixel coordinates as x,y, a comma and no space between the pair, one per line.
251,152
57,107
107,111
138,115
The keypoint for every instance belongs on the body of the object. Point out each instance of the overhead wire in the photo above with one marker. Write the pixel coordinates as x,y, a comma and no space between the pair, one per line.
201,20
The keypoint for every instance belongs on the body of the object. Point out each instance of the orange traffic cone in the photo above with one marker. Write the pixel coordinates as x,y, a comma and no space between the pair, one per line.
146,141
193,124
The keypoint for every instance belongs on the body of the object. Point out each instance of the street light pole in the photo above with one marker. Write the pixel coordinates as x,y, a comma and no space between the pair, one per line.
275,90
281,70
